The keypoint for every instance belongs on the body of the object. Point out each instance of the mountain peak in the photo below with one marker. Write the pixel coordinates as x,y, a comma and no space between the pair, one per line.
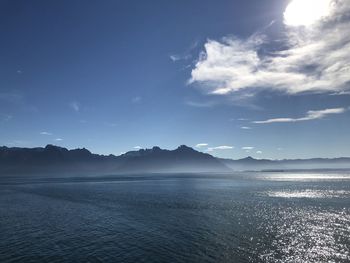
156,149
249,158
51,147
185,148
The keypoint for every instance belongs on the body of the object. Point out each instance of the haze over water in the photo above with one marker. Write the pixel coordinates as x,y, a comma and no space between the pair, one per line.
242,217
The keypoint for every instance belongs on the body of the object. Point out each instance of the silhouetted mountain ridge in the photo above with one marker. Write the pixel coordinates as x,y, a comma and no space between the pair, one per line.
61,160
182,159
51,158
249,163
55,159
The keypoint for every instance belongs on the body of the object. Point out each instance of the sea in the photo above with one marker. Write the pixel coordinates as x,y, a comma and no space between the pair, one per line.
285,216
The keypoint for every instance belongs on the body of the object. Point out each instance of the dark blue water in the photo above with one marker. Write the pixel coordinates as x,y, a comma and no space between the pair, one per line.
277,217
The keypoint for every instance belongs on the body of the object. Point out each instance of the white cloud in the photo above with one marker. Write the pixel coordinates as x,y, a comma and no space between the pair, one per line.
311,115
45,133
75,106
247,148
200,145
137,147
222,147
259,152
58,139
313,59
246,128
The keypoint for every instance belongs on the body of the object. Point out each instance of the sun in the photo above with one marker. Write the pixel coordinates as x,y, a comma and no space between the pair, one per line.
306,12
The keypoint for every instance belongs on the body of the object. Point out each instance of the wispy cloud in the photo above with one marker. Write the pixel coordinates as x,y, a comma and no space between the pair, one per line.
110,124
46,133
246,128
17,99
186,55
222,147
137,147
259,152
75,106
5,117
311,115
11,97
58,139
136,99
340,93
201,145
178,57
313,59
199,104
247,148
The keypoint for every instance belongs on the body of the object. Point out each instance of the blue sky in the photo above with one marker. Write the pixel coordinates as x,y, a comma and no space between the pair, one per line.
232,78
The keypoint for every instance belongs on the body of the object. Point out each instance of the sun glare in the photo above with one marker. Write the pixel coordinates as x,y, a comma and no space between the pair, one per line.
306,12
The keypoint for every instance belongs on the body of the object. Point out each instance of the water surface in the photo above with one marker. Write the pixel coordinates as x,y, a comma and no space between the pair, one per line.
243,217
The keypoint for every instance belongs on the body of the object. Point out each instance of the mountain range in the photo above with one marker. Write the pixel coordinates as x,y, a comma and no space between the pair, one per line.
57,160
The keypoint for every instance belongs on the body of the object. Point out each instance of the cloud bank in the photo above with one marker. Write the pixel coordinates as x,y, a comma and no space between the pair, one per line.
312,59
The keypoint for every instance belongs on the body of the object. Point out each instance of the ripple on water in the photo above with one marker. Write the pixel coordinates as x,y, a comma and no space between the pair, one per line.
309,235
185,220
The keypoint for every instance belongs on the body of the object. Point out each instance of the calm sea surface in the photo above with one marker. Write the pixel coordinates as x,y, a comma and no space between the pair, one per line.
243,217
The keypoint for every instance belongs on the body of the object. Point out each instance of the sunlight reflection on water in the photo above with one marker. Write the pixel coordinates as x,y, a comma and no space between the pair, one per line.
308,235
305,176
310,194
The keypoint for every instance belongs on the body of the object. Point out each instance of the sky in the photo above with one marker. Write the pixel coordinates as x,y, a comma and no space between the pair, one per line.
268,79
